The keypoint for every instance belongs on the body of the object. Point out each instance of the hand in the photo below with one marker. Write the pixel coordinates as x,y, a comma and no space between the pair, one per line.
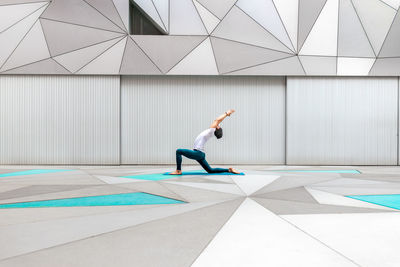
229,112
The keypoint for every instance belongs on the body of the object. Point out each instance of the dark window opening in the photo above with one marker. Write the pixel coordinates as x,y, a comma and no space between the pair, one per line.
140,24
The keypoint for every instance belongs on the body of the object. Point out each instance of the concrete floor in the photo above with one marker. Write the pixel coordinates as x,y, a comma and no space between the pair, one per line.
268,217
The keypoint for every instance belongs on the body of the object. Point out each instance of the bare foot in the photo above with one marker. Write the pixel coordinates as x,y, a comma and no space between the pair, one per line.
177,172
232,170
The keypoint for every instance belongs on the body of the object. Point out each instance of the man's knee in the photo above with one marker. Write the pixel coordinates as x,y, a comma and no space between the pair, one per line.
179,151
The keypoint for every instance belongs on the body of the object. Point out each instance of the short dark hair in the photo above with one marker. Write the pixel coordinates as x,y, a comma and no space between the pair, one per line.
218,133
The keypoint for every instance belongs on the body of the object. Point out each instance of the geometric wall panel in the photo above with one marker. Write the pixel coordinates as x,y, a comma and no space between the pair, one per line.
376,17
107,8
11,14
78,12
245,37
287,66
289,12
231,55
308,14
386,67
23,53
122,7
200,61
392,42
184,19
149,8
354,66
319,65
166,51
107,63
210,20
47,66
393,3
162,7
73,37
10,38
76,59
135,61
264,12
322,39
218,8
238,26
353,40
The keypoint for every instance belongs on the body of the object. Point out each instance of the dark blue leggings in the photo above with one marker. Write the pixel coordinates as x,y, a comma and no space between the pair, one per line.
196,155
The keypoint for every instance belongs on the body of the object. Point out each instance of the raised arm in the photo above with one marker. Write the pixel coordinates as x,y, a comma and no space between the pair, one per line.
218,120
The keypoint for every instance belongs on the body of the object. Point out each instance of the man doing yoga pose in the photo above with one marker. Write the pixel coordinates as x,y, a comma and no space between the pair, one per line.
198,152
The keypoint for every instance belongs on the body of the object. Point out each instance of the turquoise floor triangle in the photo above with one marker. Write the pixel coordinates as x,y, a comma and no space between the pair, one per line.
166,175
390,201
30,172
137,198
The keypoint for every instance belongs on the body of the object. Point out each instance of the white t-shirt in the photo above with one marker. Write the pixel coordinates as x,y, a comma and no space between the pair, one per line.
202,138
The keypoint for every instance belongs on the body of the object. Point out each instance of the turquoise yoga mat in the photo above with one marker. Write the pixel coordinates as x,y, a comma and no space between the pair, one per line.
163,176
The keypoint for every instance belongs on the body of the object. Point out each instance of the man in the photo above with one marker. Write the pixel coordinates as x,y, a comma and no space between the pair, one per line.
198,152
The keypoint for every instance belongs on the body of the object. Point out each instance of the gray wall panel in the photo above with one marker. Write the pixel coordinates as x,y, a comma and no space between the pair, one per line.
59,120
161,114
349,121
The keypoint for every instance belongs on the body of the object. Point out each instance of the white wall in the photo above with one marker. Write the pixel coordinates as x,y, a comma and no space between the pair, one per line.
161,114
59,119
342,121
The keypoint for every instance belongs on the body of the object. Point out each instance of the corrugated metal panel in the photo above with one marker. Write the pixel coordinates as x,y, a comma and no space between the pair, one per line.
351,121
59,119
161,114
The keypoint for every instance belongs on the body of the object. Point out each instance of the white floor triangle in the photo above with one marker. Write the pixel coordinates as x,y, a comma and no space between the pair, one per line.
369,239
209,19
200,61
252,183
23,55
107,63
224,188
322,40
254,237
117,180
333,199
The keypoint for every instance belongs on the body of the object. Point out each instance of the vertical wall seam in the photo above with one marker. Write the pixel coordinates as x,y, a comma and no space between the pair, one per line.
398,107
285,124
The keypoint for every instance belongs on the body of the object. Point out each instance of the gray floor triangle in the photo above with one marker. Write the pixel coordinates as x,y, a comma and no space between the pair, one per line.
140,243
283,207
299,194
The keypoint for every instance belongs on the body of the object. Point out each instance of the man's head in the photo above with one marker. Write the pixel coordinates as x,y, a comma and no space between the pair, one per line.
218,132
